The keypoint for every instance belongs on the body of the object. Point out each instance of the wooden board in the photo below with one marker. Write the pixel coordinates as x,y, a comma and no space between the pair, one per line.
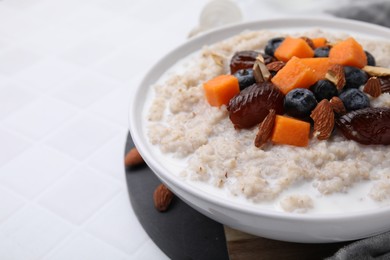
244,246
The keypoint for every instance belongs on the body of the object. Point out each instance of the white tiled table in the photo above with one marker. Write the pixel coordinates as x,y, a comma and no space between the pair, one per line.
67,69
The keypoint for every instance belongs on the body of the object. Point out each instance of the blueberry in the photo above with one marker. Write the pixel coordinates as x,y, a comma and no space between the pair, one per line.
299,102
324,89
370,59
322,51
354,99
354,77
245,78
272,45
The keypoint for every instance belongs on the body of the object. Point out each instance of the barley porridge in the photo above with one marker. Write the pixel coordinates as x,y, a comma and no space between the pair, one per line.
183,125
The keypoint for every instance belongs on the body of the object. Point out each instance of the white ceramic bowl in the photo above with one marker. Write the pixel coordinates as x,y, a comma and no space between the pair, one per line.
270,224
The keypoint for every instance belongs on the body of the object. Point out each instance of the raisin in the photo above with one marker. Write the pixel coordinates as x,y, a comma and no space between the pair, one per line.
246,60
268,59
367,125
243,60
252,104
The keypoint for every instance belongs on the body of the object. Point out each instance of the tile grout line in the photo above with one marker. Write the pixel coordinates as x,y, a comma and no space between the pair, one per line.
81,228
25,204
93,216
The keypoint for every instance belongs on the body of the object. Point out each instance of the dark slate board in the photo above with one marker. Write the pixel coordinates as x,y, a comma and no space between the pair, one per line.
181,232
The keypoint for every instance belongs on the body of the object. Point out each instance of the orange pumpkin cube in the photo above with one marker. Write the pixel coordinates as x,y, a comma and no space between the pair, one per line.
295,74
290,131
319,65
348,53
319,42
221,89
291,47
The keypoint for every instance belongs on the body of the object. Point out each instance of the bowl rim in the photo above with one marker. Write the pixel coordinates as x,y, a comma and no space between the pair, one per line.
211,37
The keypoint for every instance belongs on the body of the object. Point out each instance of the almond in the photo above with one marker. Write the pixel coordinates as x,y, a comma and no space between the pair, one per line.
162,198
275,66
260,70
385,84
265,129
133,158
335,74
376,71
373,87
338,106
323,117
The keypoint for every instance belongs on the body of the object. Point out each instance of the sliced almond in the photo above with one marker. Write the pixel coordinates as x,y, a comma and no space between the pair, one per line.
218,58
373,87
260,71
265,129
162,198
323,117
377,71
336,75
338,106
133,158
275,66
